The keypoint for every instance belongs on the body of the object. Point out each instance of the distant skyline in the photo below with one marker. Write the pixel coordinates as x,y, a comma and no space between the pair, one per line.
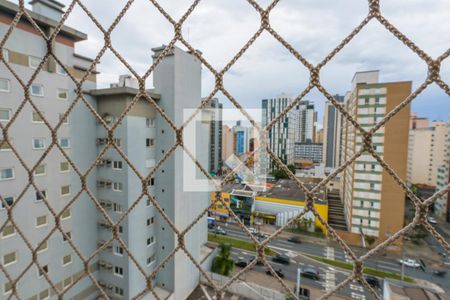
314,28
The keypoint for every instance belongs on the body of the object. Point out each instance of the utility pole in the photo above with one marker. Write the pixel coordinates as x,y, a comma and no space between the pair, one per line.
297,290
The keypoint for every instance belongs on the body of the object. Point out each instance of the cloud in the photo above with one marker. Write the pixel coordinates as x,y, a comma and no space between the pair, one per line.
220,28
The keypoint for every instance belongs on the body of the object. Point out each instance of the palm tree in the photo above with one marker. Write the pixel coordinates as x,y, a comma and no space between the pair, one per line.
223,264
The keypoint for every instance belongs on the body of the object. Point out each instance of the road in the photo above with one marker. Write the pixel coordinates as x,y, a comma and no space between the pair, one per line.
330,277
384,263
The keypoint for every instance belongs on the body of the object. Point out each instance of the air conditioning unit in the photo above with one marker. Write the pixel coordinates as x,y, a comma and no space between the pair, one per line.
101,183
102,243
106,204
107,162
101,141
104,224
105,265
108,184
101,163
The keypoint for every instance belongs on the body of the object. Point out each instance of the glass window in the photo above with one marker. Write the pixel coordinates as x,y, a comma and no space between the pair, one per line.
118,291
63,94
117,164
65,190
6,174
33,62
43,270
43,247
35,117
7,288
65,120
5,114
69,234
37,90
117,208
41,221
5,53
8,230
67,282
4,85
4,145
9,258
151,259
118,250
38,143
40,170
118,271
66,214
44,295
64,142
67,259
41,195
8,200
60,70
150,240
117,186
64,167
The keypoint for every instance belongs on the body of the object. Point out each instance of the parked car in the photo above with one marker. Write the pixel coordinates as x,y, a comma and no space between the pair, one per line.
210,226
252,230
241,263
373,281
432,220
258,263
282,259
412,263
295,239
279,273
311,273
439,273
220,230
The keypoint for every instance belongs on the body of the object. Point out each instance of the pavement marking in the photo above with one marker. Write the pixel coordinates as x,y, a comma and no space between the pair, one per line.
348,259
356,287
358,296
330,280
329,252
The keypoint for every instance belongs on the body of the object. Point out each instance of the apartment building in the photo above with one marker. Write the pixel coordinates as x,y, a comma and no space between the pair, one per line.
280,137
143,138
442,204
427,152
214,109
306,122
241,136
227,142
309,151
332,134
373,202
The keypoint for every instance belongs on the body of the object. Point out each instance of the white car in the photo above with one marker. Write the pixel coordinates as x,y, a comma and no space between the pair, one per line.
432,220
252,230
409,263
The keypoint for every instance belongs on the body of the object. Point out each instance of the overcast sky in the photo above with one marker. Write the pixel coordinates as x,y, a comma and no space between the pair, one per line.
219,28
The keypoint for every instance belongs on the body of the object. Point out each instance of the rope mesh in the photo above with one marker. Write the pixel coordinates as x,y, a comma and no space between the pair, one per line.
374,15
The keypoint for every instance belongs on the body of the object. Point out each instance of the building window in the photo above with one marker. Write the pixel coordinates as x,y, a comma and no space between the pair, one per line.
6,174
33,62
150,221
149,142
42,271
60,70
7,288
64,167
64,120
152,181
117,186
66,214
149,202
67,260
4,85
117,165
118,250
151,259
62,94
150,240
5,114
40,170
4,145
9,259
41,221
64,143
67,282
8,231
43,247
38,143
41,195
37,90
44,295
5,53
69,235
118,271
65,190
6,201
36,117
118,291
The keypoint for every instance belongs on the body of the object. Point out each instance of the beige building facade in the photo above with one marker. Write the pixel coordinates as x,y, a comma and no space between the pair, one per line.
374,203
227,142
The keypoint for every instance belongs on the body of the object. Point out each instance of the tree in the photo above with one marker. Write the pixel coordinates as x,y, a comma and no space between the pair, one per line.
281,174
223,264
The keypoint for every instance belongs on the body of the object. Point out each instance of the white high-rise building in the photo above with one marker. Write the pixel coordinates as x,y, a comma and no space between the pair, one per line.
143,137
306,122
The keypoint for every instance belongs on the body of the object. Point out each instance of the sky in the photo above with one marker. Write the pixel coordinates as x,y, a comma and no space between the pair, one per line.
219,28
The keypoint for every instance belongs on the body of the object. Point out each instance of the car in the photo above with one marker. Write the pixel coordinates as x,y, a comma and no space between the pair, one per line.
412,263
241,263
210,226
431,220
439,273
258,263
310,273
372,281
252,230
220,230
282,259
294,239
279,273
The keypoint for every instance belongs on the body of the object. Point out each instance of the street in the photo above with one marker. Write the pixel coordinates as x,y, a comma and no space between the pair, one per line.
384,263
